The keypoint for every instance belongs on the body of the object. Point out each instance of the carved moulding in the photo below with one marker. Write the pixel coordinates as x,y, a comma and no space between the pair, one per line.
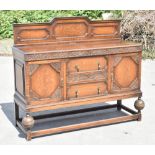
82,53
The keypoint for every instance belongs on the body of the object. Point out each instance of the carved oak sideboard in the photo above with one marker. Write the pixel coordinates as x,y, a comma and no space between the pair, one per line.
72,62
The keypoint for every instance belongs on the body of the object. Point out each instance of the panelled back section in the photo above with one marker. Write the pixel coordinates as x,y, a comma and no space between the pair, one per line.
66,29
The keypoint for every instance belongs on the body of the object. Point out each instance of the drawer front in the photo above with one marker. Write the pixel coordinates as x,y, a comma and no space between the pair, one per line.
86,90
86,64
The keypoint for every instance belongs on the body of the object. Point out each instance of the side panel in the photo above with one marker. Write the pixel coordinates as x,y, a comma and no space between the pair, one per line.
19,77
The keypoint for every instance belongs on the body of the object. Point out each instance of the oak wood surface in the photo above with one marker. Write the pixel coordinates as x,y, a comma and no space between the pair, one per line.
71,62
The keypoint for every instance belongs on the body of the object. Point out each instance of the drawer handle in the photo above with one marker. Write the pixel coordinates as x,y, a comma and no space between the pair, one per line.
77,68
76,94
98,91
99,66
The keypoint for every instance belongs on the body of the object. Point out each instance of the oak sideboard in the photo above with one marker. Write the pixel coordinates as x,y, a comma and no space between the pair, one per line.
71,62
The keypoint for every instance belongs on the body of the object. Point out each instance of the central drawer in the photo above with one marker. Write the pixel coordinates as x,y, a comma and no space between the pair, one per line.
85,70
86,90
86,64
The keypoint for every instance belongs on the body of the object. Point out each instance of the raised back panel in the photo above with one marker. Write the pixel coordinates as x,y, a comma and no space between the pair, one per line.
66,29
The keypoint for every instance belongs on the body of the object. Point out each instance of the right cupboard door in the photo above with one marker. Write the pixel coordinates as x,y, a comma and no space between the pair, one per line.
125,72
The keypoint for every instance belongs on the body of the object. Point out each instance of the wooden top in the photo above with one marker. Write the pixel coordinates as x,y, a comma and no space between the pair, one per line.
69,37
73,46
68,29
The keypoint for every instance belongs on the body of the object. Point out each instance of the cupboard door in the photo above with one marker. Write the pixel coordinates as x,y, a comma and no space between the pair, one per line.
45,80
125,74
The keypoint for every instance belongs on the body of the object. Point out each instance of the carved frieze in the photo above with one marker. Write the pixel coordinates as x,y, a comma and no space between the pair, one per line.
81,53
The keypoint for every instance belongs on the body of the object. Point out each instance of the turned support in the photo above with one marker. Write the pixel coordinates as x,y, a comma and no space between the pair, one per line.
119,103
28,123
139,105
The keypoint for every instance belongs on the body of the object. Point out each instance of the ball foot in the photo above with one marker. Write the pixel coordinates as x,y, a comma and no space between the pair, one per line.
139,105
28,122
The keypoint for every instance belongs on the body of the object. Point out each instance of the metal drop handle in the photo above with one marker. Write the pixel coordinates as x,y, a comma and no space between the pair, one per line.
99,66
77,68
98,91
76,94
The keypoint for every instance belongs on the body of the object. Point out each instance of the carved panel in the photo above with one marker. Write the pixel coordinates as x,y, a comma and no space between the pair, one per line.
104,31
56,66
33,68
33,34
87,76
125,73
59,29
134,84
45,81
19,78
70,30
56,95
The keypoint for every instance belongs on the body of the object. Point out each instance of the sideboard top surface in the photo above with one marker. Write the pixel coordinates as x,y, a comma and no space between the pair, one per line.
53,40
62,47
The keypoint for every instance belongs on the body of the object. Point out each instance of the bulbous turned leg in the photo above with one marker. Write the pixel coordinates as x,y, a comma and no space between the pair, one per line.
139,105
28,123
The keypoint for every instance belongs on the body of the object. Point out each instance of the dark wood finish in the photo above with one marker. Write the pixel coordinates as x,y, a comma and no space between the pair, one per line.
29,134
16,111
119,104
71,62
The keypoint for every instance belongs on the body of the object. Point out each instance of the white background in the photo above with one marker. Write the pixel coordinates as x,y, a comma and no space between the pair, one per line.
77,5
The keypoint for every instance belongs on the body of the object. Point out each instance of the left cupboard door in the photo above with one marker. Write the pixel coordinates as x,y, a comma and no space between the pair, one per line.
44,81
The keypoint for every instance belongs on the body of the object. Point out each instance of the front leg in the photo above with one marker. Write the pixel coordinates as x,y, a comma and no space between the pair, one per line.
119,103
139,105
16,110
28,123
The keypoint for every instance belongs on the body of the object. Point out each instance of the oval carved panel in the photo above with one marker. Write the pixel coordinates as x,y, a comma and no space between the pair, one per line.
125,72
45,80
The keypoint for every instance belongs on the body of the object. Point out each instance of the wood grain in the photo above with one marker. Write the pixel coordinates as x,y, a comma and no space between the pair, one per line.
72,62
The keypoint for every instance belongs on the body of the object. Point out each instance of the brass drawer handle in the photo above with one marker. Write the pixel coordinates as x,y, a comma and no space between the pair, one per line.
76,94
98,91
77,68
99,66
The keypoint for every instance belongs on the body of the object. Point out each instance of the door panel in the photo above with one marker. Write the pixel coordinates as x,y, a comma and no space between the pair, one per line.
125,72
45,81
